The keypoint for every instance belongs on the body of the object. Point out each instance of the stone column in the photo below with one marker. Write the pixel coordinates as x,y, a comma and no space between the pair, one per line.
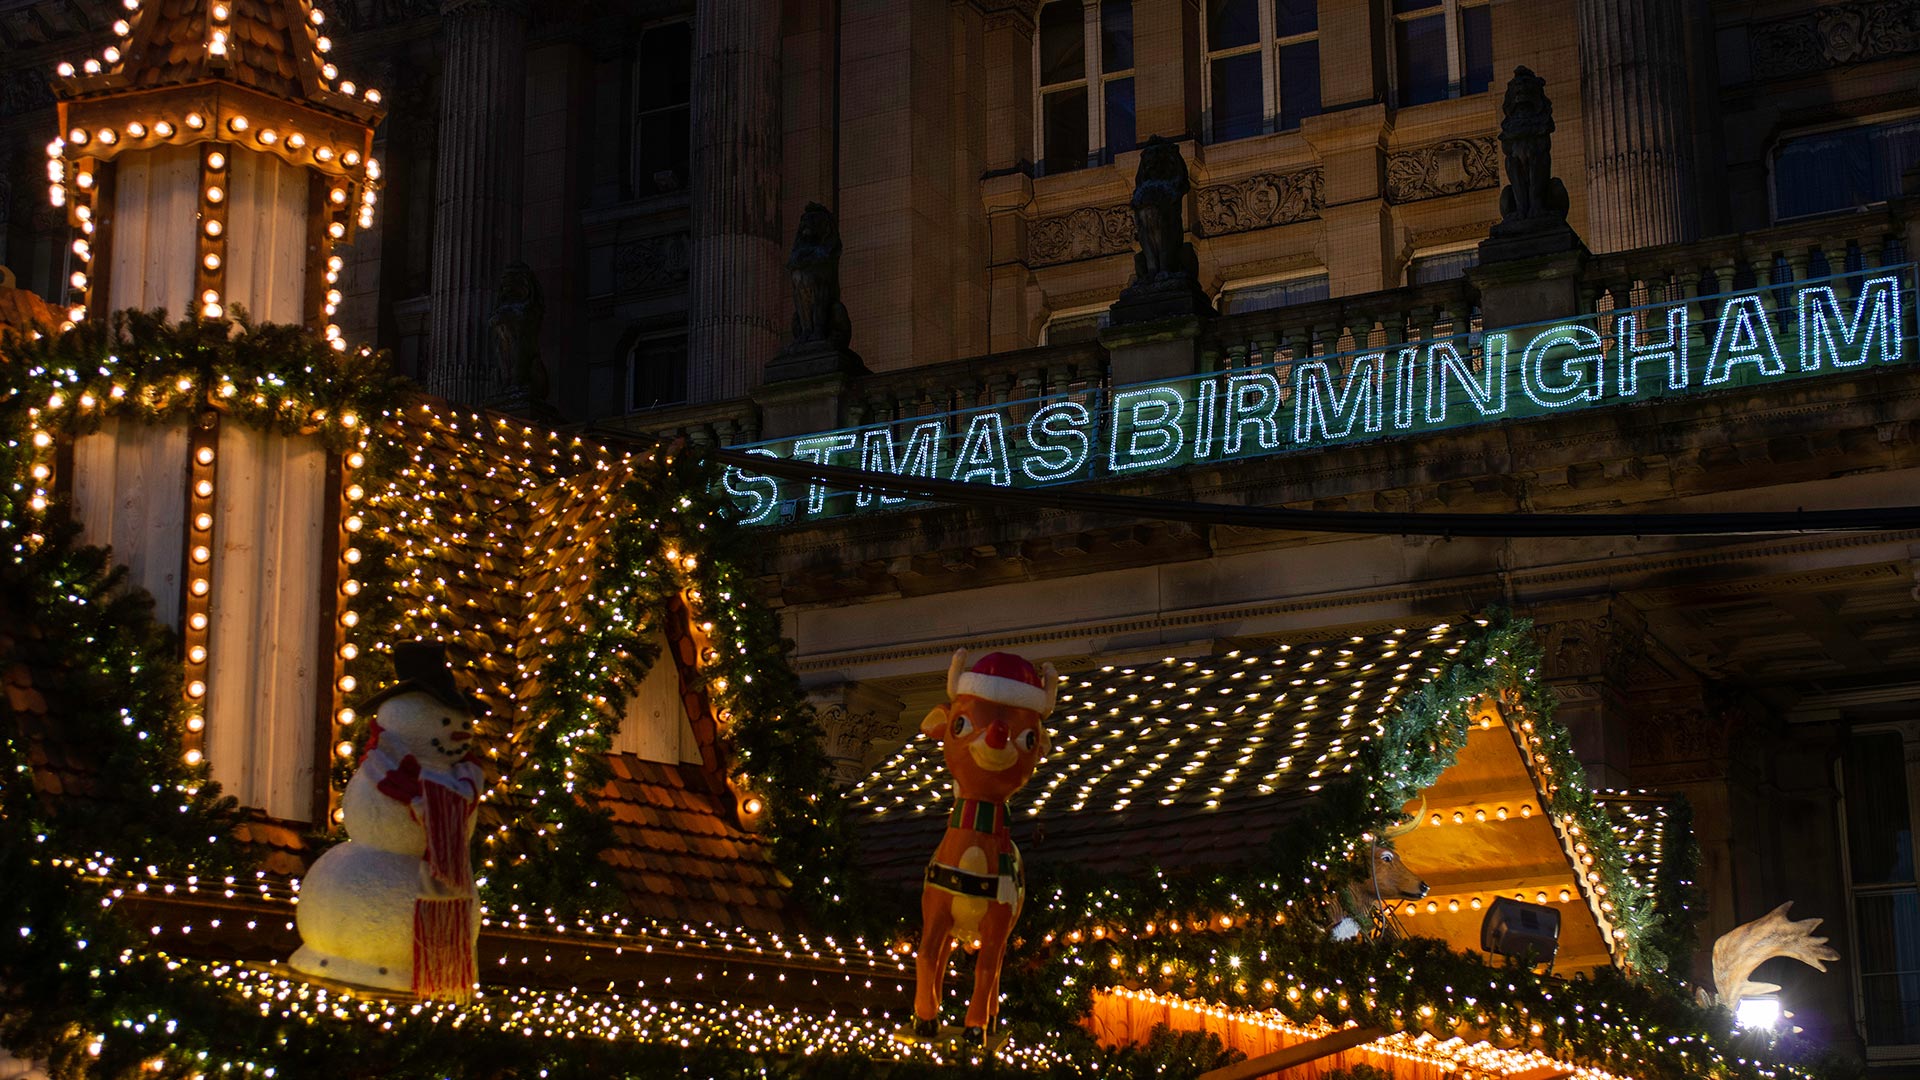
476,217
738,310
1638,134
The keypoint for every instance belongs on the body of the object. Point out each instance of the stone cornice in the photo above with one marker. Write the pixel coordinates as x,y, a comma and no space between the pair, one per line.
1459,593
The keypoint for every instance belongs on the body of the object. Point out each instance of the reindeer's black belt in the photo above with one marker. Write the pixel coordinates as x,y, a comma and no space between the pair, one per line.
967,883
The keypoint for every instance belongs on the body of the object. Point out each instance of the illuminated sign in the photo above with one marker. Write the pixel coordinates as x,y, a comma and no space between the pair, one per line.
1286,405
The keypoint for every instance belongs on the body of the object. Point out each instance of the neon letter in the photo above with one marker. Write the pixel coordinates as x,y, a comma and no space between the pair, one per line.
1488,393
1316,405
1673,350
1059,428
1745,336
1251,400
921,457
1862,338
1150,419
762,493
983,452
1582,369
820,450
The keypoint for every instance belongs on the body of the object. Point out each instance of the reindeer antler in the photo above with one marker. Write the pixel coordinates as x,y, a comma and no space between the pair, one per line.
1745,947
954,670
1411,824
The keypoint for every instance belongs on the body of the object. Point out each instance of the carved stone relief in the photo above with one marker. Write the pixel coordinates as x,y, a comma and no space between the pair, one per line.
1086,233
1835,35
24,91
1670,736
1257,201
1447,167
1604,647
845,735
649,265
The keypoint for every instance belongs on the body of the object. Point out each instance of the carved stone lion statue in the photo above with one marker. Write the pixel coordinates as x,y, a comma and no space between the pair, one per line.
518,312
818,314
1160,187
1533,197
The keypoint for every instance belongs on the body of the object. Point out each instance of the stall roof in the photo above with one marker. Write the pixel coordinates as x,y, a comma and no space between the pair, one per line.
1183,763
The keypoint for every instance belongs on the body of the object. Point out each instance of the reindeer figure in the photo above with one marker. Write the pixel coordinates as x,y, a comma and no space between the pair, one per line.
1358,900
992,731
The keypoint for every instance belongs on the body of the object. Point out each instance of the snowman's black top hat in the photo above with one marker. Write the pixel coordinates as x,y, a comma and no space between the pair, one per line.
422,667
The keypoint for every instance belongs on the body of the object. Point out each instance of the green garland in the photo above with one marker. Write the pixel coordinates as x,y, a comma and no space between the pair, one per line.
771,738
1417,742
1631,1027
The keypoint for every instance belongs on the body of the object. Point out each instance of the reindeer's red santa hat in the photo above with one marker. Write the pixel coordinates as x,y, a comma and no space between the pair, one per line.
1007,680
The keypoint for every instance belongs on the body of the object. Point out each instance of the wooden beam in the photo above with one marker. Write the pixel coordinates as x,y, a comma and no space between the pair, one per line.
1297,1054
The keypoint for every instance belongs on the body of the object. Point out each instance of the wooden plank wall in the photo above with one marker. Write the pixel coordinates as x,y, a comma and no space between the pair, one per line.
130,494
156,199
655,725
264,635
267,237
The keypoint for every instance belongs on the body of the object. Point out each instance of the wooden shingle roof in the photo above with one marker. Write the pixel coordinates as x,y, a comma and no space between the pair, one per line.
503,527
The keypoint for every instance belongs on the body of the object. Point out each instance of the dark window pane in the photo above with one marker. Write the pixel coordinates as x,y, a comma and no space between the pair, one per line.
1420,50
665,70
1116,36
1299,83
662,163
1232,22
1889,929
1401,7
1292,17
657,372
1446,267
1276,294
1879,828
1063,43
1064,114
1476,28
1822,173
1236,97
1119,116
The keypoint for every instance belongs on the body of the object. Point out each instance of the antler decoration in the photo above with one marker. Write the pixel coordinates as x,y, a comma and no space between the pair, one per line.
954,671
1745,947
1411,823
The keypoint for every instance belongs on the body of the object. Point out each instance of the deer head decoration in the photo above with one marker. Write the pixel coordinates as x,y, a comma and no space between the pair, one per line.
992,732
1745,947
1359,899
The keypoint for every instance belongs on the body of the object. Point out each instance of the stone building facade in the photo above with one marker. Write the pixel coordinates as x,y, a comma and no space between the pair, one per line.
650,161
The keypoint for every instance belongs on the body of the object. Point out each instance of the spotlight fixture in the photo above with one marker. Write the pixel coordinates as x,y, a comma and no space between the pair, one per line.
1518,929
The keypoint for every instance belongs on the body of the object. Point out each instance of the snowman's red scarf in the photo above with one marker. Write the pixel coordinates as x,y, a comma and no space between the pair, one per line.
444,803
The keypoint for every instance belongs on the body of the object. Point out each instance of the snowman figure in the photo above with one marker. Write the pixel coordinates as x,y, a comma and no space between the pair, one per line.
394,907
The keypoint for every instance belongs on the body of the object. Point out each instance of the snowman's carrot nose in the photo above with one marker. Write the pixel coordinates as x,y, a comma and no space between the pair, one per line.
462,736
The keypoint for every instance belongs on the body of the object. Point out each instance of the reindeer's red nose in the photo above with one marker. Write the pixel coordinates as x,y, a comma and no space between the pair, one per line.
997,734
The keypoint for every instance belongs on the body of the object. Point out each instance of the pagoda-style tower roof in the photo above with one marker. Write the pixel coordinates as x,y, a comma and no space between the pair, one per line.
277,47
224,77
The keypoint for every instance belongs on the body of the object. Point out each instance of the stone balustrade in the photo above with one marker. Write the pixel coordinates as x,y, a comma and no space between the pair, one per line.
1696,271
